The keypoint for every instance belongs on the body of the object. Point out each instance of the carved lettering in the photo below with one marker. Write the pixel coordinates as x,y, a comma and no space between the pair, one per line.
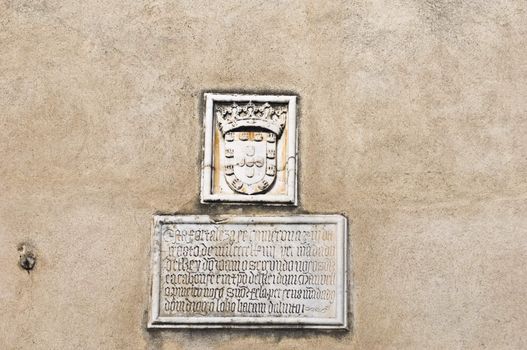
248,270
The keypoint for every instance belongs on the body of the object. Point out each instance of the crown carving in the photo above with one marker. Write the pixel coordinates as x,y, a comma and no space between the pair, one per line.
264,116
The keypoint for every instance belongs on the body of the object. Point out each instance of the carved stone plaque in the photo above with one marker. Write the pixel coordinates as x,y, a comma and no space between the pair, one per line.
250,149
249,272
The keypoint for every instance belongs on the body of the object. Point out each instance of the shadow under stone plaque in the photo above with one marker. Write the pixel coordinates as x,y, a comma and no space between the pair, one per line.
275,272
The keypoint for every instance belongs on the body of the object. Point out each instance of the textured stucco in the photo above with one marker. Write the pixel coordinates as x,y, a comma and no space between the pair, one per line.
413,123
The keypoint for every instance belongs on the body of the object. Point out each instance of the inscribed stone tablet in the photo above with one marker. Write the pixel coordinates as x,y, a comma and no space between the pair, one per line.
249,272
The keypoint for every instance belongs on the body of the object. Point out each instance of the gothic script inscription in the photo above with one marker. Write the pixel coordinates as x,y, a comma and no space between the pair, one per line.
249,272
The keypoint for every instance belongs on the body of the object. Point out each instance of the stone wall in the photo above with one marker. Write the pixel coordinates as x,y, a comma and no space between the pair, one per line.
412,123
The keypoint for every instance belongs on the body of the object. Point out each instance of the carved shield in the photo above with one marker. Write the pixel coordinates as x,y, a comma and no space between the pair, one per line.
251,134
250,160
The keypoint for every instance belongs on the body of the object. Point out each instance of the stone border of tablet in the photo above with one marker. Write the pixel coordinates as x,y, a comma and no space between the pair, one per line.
338,322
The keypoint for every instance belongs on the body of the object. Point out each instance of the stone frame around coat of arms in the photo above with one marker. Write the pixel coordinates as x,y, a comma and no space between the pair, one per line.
250,149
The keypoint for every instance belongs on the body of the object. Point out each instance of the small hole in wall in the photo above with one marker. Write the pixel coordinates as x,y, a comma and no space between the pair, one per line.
27,258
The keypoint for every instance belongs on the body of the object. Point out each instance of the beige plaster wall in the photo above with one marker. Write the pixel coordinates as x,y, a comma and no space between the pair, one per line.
413,122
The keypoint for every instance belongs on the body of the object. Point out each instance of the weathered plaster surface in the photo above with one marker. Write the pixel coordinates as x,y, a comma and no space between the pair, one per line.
412,122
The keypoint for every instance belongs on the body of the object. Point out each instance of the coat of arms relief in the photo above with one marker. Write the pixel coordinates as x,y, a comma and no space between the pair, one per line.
251,133
250,149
